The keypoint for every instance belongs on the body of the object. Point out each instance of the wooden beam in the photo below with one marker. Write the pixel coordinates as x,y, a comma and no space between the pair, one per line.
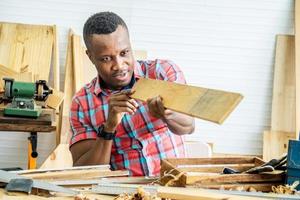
207,104
297,65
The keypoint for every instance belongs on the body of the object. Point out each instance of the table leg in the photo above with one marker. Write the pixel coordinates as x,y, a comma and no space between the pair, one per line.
32,153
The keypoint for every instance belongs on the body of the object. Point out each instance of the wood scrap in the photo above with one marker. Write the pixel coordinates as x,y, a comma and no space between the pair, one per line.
55,99
206,104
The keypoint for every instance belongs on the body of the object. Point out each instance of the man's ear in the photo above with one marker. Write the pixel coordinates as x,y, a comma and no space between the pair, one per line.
88,53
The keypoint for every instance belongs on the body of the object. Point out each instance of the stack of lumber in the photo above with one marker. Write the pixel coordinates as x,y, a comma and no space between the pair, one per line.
285,118
207,173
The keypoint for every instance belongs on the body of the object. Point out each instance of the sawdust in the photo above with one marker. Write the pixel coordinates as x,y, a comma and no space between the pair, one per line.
141,194
286,189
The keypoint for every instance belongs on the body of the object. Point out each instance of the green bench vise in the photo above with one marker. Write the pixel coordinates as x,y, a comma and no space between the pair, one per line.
22,96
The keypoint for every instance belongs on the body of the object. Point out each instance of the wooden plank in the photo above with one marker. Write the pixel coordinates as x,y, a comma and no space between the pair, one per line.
214,168
56,68
275,143
201,178
33,171
69,91
77,174
197,194
77,62
30,45
297,65
206,104
261,187
215,160
284,97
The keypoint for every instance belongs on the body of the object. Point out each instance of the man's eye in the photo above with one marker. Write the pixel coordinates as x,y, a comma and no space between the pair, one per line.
105,59
124,53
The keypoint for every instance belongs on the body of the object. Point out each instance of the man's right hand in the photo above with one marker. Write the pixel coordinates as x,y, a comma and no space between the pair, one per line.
119,104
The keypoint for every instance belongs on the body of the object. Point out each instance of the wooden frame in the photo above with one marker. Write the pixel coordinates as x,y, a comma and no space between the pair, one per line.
206,173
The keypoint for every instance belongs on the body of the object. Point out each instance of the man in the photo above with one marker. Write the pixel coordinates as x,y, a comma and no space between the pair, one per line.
109,127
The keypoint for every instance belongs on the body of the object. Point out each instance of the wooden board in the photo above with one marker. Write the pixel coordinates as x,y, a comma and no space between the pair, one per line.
56,68
284,96
197,194
44,119
297,65
207,104
26,46
77,62
275,144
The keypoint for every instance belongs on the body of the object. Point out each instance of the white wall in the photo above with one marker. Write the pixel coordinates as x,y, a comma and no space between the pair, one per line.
222,44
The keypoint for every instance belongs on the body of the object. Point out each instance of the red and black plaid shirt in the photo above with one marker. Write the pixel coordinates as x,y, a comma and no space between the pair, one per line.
141,140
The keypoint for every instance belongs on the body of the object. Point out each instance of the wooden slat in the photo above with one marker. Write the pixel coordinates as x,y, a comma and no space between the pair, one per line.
56,68
284,97
23,45
78,61
215,160
297,65
76,174
275,143
206,104
197,194
193,178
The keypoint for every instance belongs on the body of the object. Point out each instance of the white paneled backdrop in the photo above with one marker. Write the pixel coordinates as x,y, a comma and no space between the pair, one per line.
222,44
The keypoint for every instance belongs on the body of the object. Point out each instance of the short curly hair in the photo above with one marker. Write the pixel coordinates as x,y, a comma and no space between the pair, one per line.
102,23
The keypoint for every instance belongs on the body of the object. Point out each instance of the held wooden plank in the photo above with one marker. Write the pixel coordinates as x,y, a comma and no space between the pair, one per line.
28,46
206,104
275,143
297,65
284,97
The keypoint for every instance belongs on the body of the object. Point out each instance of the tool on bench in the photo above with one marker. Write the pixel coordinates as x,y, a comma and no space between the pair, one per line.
22,96
266,167
23,184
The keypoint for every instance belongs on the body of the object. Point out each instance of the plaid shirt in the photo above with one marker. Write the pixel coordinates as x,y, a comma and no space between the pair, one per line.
141,140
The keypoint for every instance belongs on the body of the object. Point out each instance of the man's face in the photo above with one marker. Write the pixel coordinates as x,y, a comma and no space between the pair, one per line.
112,56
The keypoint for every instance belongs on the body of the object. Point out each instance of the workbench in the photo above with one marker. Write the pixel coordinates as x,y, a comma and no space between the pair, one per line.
44,123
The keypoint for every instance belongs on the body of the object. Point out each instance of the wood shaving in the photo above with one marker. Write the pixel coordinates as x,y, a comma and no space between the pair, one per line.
141,194
286,189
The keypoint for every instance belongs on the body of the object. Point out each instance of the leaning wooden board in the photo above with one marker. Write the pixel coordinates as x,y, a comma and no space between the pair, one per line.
207,104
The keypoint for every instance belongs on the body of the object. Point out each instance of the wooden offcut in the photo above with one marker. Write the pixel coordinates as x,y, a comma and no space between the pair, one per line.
207,104
55,99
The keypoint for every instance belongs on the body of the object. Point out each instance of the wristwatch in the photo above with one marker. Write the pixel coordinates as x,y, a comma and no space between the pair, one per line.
105,135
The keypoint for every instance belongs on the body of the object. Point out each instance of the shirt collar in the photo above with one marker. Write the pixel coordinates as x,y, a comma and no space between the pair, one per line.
136,74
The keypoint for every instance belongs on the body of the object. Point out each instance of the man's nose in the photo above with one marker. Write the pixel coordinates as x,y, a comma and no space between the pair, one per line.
118,63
